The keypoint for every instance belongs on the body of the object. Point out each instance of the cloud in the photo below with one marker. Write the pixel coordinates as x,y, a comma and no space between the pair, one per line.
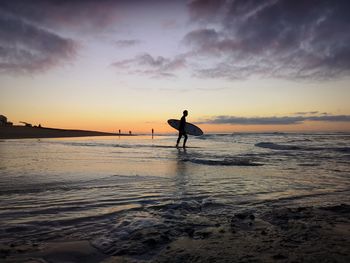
147,64
32,32
286,120
127,43
38,30
82,15
305,112
331,118
273,38
27,48
206,10
232,39
202,37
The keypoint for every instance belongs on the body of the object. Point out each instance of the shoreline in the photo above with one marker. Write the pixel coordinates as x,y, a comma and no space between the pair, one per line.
22,132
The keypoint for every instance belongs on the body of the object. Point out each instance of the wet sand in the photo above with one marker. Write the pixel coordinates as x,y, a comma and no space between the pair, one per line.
22,132
279,234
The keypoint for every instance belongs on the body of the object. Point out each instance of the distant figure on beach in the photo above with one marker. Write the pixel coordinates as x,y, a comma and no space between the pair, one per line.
152,132
182,131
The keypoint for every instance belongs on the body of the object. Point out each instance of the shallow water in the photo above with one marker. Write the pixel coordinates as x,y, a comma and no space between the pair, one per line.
103,188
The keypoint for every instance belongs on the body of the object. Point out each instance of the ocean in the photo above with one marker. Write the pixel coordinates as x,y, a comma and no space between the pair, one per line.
102,189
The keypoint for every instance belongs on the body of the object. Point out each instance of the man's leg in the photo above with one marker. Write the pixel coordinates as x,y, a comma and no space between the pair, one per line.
185,140
178,139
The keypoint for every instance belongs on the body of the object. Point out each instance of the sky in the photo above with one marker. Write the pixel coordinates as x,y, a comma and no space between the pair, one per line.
235,65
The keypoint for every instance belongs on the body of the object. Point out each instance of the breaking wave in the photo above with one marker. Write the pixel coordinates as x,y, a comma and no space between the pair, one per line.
288,147
224,162
274,146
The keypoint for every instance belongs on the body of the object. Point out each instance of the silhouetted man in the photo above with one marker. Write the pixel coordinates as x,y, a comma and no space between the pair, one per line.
182,130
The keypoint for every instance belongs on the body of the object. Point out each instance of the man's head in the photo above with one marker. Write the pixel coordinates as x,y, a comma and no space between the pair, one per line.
185,112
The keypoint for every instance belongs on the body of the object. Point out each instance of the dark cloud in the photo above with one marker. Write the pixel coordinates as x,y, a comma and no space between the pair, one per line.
33,32
152,66
127,43
83,15
27,48
306,112
38,29
76,14
202,37
273,38
30,37
206,10
233,39
274,120
331,118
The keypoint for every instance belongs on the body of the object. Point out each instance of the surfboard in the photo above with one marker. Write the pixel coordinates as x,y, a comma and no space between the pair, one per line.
190,128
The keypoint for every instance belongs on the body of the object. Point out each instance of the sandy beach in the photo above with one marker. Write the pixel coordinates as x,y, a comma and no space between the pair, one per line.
22,132
295,234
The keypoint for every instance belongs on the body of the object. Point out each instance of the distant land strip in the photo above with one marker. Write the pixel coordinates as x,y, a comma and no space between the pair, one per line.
22,132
